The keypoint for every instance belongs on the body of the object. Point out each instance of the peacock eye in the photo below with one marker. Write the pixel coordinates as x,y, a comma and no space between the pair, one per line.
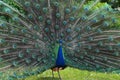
58,15
30,16
40,18
86,8
36,27
37,6
57,27
15,18
8,10
68,30
67,10
27,4
46,29
88,28
2,41
45,10
56,4
14,46
24,40
74,8
71,18
110,38
3,25
21,55
49,22
106,24
6,51
64,23
24,31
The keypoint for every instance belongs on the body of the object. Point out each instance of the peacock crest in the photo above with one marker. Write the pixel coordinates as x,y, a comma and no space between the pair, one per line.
57,33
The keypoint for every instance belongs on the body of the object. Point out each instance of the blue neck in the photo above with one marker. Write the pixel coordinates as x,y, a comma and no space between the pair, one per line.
60,62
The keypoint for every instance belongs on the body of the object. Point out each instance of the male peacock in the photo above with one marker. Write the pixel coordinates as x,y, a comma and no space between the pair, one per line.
53,34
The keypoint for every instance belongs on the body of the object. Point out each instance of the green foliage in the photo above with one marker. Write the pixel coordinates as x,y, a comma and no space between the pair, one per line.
116,24
113,3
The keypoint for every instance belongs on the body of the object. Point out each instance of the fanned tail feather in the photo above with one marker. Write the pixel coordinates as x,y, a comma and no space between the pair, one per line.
27,42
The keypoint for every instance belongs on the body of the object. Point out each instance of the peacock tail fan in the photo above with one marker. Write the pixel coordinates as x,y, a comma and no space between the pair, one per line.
29,41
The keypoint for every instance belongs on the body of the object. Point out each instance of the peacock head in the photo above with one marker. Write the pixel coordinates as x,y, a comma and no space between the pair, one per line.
60,42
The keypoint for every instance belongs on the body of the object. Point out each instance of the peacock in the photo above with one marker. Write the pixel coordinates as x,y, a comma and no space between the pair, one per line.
55,34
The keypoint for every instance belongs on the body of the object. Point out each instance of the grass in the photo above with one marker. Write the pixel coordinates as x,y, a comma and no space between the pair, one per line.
70,74
75,74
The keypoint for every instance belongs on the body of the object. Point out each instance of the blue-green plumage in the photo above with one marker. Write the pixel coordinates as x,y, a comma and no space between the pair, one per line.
28,40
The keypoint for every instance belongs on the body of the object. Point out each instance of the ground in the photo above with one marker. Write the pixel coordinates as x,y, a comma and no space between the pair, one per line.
75,74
